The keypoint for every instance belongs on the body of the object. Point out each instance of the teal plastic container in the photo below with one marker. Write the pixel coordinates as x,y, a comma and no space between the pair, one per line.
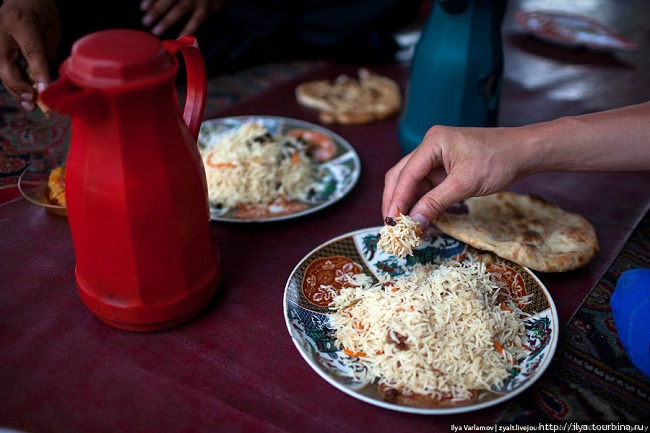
456,70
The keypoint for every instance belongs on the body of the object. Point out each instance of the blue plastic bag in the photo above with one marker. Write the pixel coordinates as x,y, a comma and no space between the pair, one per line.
630,304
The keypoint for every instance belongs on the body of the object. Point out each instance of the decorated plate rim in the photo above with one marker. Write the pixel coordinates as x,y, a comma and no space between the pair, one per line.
616,40
350,152
323,373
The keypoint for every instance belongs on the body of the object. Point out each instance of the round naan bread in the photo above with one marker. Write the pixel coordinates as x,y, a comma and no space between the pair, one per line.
348,100
524,229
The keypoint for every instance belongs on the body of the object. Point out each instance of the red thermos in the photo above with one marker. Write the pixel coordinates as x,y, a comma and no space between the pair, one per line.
136,191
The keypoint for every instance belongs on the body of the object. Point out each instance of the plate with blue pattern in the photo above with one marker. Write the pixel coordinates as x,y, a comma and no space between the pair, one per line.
316,279
337,172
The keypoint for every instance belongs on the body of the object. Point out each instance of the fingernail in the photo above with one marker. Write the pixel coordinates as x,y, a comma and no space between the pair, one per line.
41,86
422,221
158,30
147,20
26,96
28,106
144,5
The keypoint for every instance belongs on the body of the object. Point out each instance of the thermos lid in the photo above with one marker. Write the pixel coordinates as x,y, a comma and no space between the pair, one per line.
117,57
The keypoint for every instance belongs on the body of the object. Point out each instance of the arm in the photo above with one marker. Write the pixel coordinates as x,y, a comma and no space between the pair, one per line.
452,164
614,140
30,31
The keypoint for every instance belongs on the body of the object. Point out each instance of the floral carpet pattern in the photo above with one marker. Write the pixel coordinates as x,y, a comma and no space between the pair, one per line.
25,138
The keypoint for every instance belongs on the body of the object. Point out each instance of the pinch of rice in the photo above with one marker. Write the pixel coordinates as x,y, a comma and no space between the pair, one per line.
443,330
399,236
254,167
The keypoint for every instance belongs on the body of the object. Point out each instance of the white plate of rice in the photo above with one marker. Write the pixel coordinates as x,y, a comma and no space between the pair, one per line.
448,329
268,168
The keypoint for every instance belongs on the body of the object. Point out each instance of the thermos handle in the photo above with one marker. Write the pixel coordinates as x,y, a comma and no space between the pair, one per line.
196,81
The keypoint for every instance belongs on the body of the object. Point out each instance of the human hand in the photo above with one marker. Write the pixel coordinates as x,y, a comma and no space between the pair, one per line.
161,15
30,32
450,165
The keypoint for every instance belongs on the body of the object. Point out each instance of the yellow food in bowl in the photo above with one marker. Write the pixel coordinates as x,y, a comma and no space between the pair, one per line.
56,186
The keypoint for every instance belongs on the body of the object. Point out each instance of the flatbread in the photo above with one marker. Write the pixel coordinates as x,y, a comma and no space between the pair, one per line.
524,229
347,100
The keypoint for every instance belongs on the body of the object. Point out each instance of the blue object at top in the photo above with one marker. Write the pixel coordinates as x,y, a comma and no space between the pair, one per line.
456,71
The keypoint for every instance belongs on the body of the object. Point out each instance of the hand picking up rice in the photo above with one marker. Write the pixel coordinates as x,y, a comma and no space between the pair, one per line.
444,331
253,166
399,236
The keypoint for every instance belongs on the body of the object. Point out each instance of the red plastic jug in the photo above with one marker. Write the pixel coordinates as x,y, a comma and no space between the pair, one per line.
146,257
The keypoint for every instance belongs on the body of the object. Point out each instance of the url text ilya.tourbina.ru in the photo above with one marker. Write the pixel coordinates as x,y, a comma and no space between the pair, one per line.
569,426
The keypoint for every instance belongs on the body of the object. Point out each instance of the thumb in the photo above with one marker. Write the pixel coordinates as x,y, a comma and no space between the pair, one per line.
431,205
39,72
